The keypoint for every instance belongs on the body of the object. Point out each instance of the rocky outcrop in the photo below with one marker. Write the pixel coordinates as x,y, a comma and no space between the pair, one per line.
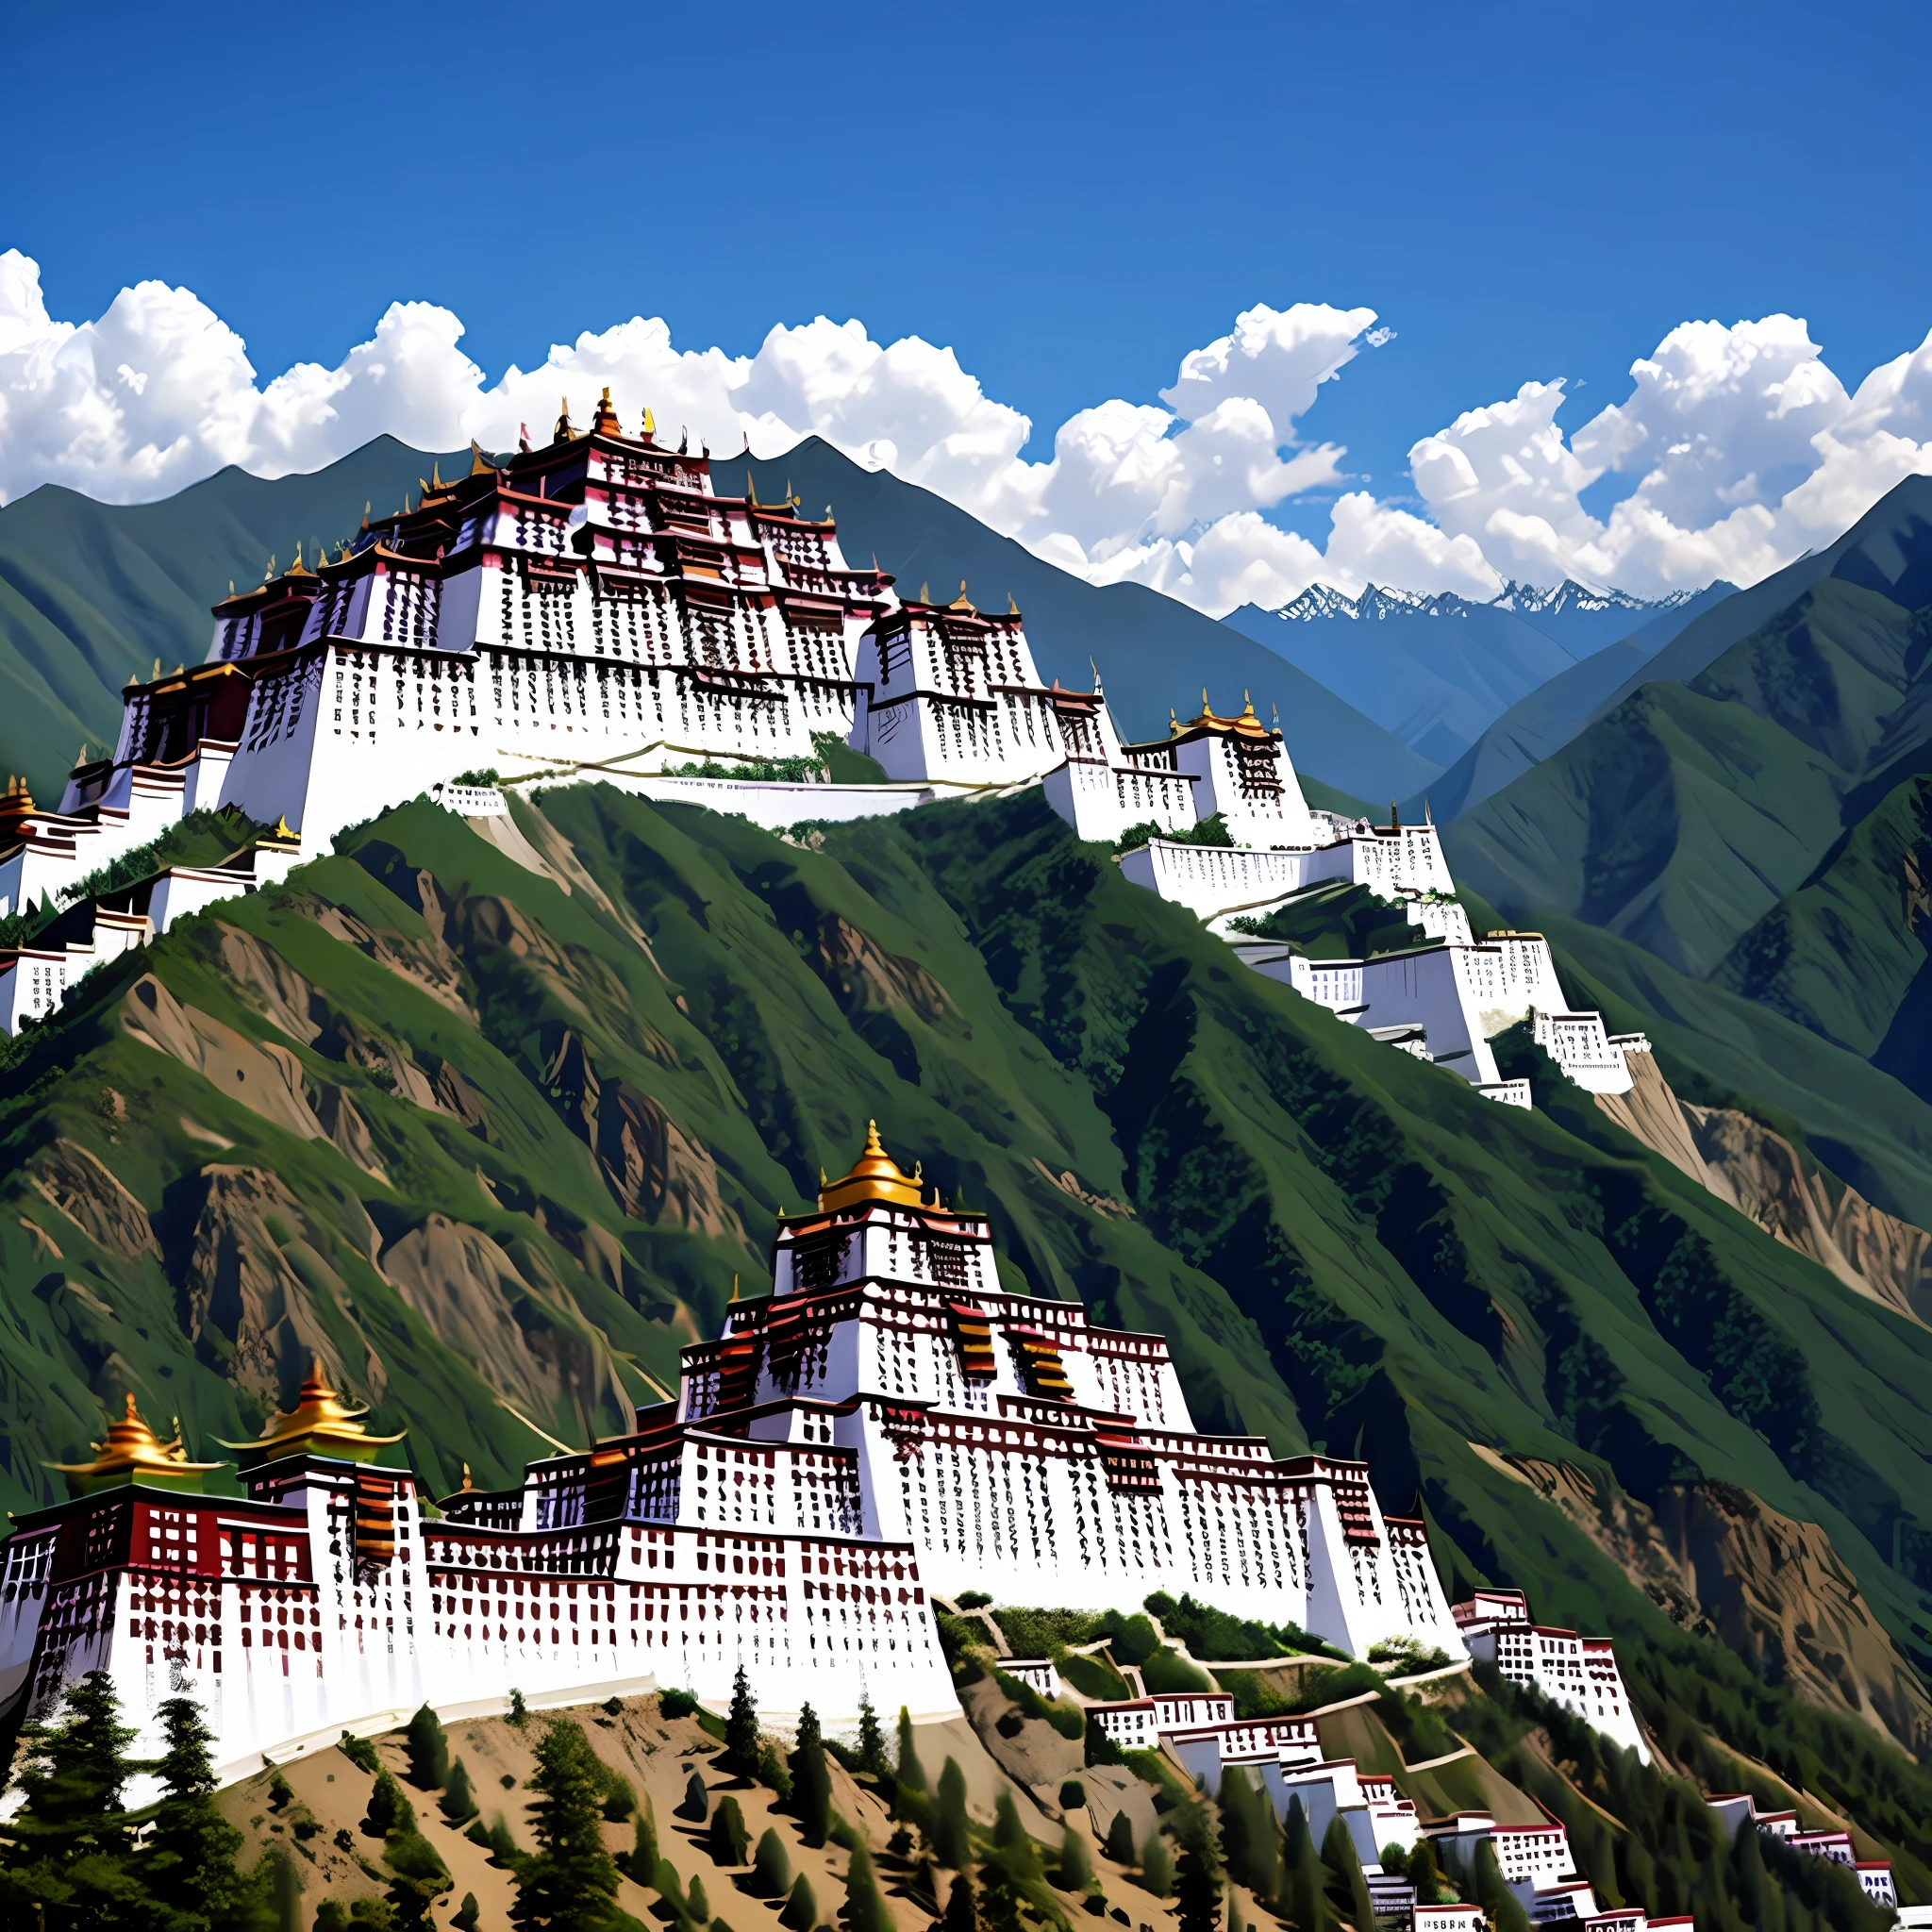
343,1121
863,976
655,1170
265,1079
83,1188
1724,1563
259,1292
1779,1185
475,1301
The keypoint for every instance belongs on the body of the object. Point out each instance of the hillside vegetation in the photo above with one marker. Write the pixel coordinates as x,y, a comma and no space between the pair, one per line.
492,1114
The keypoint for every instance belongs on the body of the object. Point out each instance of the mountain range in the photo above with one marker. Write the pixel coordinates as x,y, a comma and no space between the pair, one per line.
492,1114
1439,670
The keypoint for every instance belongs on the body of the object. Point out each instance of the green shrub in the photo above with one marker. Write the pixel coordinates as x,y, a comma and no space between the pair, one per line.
1166,1670
676,1703
770,1875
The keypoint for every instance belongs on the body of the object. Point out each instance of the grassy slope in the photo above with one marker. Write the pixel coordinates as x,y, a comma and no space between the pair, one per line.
1683,817
1347,1249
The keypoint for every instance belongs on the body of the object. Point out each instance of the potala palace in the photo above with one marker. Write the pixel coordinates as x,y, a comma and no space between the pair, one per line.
591,611
885,1427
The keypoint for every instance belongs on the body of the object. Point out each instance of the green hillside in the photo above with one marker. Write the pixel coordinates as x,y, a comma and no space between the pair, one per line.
1682,817
495,1123
91,594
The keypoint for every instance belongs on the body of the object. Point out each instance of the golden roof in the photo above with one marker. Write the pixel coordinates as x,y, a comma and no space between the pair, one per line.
318,1423
1246,726
875,1177
131,1452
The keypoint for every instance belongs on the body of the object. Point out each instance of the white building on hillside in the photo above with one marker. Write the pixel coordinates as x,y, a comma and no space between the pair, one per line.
888,1421
1579,1672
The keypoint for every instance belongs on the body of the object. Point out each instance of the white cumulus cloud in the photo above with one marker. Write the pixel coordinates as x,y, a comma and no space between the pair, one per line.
1741,446
1745,448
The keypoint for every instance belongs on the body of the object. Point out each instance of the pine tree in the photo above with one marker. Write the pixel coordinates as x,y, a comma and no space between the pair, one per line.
620,1801
952,1842
1119,1839
1504,1910
1307,1898
696,1802
865,1908
1157,1865
1017,1850
429,1748
1077,1868
1423,1873
389,1811
189,1858
1348,1891
641,1862
459,1801
69,1846
912,1772
1197,1892
771,1868
742,1727
811,1783
801,1914
999,1898
872,1740
696,1902
962,1907
727,1841
465,1917
1250,1836
570,1883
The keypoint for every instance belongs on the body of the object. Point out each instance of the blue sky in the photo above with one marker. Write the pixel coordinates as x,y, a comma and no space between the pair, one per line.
1070,198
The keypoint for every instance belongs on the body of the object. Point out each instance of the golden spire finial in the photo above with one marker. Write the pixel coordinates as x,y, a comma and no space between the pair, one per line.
469,1481
563,432
131,1452
875,1177
650,422
479,465
605,422
318,1424
734,1285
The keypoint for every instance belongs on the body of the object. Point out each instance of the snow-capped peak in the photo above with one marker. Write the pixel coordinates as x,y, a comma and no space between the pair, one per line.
1322,601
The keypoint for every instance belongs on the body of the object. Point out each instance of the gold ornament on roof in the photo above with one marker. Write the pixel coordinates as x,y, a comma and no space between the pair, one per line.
130,1452
318,1424
875,1177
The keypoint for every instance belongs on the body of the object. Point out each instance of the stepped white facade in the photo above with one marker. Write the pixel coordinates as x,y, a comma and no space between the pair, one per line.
593,611
1443,999
886,1421
1579,1672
